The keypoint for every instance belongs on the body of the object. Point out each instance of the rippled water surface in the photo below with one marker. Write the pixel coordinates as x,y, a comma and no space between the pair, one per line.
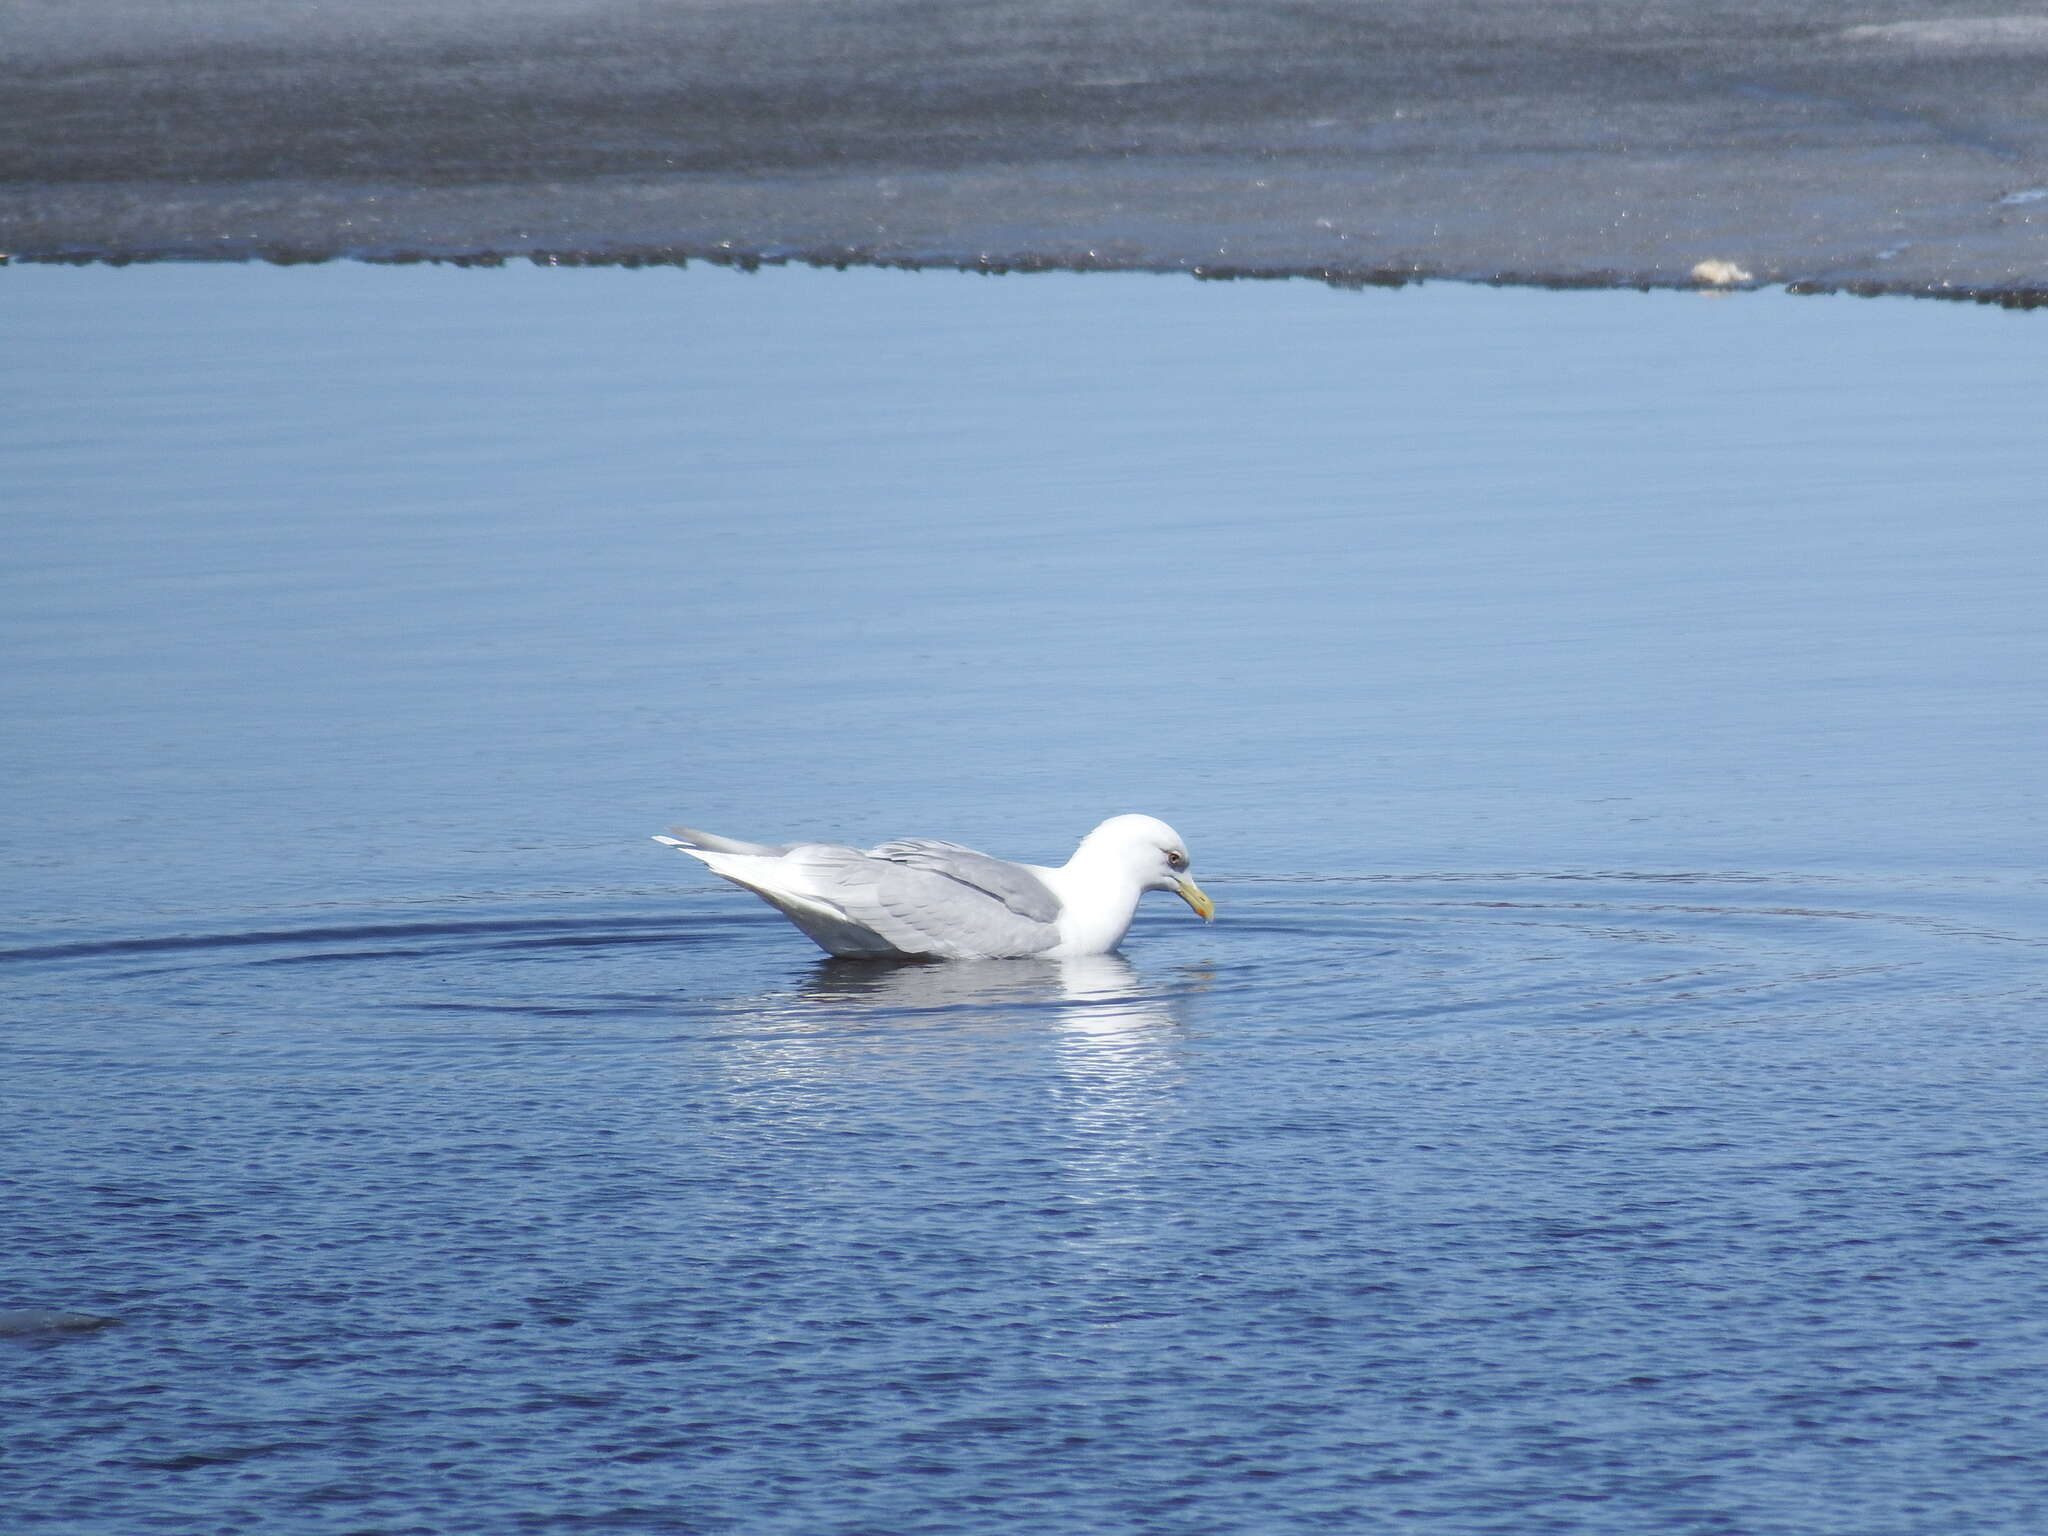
1611,1099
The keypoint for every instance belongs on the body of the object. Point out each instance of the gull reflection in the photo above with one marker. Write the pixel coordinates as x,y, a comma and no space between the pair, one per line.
1104,995
939,986
1118,1052
1088,1040
1093,995
1115,1068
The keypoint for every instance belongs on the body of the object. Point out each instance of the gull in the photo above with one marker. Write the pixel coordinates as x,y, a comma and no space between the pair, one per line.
919,898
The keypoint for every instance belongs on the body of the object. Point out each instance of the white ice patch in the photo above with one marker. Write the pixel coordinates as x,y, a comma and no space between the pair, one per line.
1720,274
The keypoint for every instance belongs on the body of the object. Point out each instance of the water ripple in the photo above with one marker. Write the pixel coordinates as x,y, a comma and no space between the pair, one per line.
1456,1200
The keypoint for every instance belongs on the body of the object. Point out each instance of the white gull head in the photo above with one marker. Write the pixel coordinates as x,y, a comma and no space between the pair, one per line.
1117,863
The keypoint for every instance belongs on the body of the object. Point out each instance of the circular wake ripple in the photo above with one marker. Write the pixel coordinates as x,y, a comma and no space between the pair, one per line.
1469,951
1427,952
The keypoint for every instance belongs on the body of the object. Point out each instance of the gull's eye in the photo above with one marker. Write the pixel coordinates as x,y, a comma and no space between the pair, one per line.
1177,861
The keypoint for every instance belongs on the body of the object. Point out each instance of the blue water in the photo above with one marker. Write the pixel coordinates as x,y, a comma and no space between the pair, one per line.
1610,1100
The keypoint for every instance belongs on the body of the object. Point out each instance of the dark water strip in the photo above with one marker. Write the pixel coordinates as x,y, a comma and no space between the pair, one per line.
680,254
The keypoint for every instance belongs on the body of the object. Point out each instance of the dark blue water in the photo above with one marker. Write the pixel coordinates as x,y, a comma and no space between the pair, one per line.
1610,1099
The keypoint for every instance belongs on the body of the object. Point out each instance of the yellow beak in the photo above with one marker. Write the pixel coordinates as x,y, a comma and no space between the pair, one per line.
1195,897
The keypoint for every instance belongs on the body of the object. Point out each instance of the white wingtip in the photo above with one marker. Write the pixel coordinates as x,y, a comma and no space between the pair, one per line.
673,842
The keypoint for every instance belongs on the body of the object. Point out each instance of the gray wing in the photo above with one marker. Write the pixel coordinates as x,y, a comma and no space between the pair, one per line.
933,898
1011,884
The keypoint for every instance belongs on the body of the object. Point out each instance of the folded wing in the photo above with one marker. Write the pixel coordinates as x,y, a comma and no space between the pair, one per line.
934,898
